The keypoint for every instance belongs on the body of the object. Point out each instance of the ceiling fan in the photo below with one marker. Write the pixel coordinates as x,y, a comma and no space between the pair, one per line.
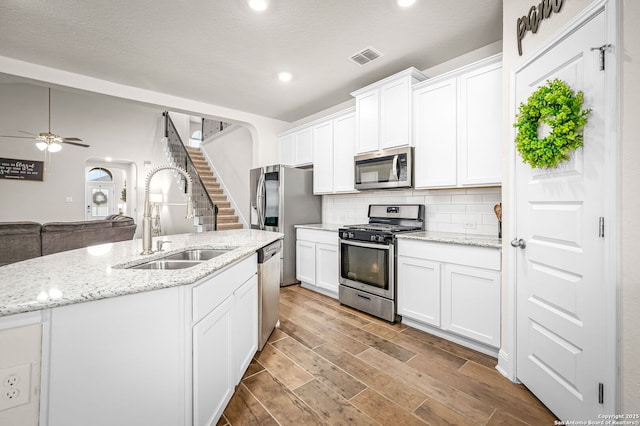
49,141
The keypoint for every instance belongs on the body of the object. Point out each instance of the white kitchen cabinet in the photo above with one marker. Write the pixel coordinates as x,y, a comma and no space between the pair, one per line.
383,118
457,127
419,294
323,158
436,149
287,150
317,260
245,326
165,357
213,377
471,303
333,151
451,290
296,147
344,140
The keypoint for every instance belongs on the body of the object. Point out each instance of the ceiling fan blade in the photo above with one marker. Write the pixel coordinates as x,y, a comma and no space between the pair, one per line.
75,143
72,139
28,133
17,137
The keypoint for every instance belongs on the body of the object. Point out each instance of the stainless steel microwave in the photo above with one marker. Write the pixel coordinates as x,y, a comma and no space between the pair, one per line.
384,169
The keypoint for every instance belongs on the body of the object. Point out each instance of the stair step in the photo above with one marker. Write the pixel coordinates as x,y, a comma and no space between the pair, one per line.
212,186
227,218
218,197
223,205
225,211
212,191
226,226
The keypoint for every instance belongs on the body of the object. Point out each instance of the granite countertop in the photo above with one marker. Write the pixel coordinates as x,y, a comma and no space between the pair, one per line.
99,272
321,226
454,238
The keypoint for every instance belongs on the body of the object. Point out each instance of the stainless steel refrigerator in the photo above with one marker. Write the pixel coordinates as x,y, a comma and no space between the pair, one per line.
281,197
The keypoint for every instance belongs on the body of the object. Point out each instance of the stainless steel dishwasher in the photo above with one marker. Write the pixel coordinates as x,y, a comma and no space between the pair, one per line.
268,290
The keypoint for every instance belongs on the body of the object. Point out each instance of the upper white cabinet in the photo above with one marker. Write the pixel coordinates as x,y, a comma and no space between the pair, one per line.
383,112
457,125
333,151
296,148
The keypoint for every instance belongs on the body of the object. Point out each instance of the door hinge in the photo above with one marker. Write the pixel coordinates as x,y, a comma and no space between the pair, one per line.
600,393
602,50
601,227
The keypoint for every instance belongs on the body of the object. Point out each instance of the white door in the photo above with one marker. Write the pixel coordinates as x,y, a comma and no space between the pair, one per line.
560,273
100,203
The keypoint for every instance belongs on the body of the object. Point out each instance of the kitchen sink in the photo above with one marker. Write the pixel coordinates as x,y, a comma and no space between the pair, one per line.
163,264
197,254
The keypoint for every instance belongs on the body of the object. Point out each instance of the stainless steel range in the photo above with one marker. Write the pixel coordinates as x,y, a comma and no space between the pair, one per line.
368,258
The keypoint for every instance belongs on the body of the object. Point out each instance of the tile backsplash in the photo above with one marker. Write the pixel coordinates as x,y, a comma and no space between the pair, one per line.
468,211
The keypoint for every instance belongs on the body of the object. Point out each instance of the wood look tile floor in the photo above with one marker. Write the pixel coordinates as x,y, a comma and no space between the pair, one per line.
331,365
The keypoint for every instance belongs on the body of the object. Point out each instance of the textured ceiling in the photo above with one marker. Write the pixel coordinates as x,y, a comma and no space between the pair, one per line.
220,52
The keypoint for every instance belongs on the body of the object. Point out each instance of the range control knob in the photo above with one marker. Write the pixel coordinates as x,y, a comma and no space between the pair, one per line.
351,235
380,238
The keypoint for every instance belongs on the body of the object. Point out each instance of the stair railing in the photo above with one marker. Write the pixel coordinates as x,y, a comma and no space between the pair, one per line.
202,202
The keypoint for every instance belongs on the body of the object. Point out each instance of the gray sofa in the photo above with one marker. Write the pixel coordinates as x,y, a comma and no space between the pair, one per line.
25,240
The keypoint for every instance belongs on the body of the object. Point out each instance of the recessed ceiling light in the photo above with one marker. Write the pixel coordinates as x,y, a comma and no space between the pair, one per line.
259,5
108,159
405,3
285,77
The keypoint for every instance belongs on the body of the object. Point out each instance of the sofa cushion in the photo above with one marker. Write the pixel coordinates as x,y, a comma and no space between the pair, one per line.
19,241
75,226
118,220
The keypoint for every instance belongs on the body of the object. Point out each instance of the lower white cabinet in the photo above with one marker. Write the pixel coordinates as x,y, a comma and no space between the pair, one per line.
164,357
317,260
213,377
451,288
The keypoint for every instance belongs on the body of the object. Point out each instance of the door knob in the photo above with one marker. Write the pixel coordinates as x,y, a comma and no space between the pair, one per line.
519,243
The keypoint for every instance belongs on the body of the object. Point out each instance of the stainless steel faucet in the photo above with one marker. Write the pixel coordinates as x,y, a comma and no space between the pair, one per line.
146,218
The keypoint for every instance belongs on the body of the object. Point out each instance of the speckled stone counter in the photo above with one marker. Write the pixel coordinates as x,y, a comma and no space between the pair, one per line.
453,238
322,226
99,272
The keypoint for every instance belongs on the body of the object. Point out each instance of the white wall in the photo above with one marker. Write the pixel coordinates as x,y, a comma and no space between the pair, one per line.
630,173
232,157
127,132
447,210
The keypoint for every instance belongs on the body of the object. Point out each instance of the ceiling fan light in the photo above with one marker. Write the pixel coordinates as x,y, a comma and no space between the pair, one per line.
41,145
55,147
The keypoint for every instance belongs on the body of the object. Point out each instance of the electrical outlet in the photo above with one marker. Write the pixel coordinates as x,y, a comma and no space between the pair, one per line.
15,387
470,225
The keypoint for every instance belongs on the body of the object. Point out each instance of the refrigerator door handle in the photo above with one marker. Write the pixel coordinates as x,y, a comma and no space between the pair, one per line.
261,201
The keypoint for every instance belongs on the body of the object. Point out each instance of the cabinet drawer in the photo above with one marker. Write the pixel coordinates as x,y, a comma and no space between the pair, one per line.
213,291
479,257
317,236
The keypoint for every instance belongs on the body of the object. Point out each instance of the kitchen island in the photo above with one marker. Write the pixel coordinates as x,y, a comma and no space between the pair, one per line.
131,346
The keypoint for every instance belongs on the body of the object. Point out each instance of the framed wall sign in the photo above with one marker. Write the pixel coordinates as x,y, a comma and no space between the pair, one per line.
10,168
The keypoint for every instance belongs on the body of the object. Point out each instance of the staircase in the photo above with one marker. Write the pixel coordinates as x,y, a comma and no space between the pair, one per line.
226,215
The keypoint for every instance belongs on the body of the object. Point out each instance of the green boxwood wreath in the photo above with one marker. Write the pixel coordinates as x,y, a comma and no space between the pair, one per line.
556,105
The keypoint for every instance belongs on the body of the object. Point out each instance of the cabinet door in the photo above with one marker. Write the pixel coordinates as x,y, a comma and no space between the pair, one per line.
327,267
304,147
287,150
367,122
419,289
213,378
245,326
479,126
323,158
344,141
435,135
471,303
395,114
306,262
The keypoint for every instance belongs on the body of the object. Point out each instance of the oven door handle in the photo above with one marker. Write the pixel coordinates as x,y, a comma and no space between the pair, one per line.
366,245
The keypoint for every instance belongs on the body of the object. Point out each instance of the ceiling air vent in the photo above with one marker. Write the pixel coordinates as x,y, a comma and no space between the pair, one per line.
366,55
